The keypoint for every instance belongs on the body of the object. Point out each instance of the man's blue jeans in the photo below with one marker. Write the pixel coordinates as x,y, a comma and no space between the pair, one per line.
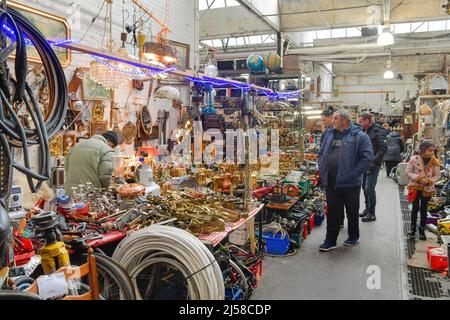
369,185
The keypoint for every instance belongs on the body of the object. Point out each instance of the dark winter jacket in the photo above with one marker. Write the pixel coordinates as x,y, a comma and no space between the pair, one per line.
377,135
355,157
395,147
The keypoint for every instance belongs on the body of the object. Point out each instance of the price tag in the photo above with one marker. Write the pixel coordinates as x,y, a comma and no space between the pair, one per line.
52,286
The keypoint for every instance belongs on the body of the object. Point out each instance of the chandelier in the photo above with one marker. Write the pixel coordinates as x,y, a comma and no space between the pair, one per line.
109,73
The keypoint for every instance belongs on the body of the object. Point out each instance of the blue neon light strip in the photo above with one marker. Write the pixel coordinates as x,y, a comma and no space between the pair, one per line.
247,87
155,71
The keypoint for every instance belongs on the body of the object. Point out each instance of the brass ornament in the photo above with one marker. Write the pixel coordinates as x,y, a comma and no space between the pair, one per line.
98,113
129,132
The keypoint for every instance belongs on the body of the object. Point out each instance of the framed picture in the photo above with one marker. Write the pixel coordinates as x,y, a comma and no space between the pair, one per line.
92,91
183,53
53,27
69,141
56,146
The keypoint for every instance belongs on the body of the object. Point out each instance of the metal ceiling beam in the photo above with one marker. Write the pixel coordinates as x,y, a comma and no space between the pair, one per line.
251,5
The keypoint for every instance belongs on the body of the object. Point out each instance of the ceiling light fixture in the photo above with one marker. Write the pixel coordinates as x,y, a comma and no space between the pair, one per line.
386,38
389,74
314,112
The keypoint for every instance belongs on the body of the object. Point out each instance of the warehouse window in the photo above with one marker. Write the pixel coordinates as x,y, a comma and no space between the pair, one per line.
401,28
354,32
216,4
323,34
339,33
437,25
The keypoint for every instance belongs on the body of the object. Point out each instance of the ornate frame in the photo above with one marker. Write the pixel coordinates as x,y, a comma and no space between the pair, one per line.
22,8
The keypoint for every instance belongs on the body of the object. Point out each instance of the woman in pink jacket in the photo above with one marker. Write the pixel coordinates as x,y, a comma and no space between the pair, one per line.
424,170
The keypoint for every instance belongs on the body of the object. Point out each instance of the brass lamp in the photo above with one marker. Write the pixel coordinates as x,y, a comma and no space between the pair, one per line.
160,52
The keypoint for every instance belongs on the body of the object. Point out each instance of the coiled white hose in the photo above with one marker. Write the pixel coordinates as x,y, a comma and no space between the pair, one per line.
178,248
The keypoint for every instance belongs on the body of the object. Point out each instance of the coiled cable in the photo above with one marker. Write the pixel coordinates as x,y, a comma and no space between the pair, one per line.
179,249
12,132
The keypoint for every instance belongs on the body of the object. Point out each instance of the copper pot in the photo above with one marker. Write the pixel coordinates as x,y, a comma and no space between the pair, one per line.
131,191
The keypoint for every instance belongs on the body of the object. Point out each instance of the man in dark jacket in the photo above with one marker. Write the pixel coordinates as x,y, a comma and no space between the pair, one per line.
327,120
345,155
377,136
395,148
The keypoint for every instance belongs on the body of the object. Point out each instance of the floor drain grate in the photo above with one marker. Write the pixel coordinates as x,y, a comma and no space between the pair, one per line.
426,284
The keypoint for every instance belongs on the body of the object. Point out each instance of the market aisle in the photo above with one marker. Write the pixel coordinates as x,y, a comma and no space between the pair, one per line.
342,274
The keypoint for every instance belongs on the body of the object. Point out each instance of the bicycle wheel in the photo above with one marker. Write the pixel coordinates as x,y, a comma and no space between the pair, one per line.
11,295
243,279
114,282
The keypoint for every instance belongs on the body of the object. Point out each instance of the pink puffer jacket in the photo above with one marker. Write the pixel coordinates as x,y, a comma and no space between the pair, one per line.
416,169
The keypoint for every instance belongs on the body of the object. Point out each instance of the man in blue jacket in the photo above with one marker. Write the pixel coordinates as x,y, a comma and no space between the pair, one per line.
346,154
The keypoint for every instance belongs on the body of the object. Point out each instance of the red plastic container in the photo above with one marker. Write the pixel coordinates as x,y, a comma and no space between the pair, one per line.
312,221
305,231
437,262
257,272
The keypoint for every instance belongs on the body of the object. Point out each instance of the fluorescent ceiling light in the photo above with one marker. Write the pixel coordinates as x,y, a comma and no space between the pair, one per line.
313,112
314,117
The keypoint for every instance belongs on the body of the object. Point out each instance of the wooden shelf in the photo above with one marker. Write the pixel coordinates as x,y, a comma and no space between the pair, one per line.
443,96
140,64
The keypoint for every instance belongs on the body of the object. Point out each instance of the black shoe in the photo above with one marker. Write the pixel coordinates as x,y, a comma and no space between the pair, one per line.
422,235
363,214
369,218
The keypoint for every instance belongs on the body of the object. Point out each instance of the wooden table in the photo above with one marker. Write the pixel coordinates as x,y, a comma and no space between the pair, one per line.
216,238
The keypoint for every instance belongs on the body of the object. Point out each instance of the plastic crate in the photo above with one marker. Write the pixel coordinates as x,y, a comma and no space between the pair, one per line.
276,244
257,273
298,239
437,262
305,185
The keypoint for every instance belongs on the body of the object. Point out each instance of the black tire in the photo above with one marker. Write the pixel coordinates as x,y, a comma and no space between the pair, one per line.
9,295
23,283
114,281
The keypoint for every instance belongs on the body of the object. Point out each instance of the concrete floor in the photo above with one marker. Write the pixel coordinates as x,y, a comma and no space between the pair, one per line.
343,273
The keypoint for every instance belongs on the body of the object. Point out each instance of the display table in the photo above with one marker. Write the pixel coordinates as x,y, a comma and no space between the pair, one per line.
216,238
284,206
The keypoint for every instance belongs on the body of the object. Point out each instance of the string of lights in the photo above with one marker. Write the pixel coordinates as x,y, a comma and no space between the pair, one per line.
156,72
133,73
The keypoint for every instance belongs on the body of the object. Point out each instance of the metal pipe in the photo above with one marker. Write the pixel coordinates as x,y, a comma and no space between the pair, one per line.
151,15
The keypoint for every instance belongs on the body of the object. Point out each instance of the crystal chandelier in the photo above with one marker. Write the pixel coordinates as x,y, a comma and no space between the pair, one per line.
109,73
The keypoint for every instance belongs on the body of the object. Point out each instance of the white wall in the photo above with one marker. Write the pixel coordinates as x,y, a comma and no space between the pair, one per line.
181,20
374,83
326,77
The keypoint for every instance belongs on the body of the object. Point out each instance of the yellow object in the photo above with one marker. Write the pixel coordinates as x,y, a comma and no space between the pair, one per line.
141,38
444,227
3,275
54,257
